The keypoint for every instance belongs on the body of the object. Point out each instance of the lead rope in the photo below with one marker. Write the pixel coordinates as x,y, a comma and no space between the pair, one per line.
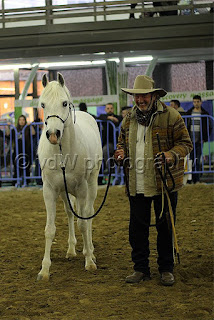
66,190
167,191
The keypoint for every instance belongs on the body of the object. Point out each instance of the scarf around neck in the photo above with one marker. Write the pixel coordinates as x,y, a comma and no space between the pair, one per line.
143,117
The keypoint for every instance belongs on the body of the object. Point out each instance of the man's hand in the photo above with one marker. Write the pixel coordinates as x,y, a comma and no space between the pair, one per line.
161,158
113,119
119,155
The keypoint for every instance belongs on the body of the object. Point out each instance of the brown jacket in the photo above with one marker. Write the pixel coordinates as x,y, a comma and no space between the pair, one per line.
174,138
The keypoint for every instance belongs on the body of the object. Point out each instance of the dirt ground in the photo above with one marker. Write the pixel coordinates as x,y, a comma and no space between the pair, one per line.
73,293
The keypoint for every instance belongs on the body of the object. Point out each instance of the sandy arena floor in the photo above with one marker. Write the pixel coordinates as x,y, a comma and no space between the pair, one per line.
75,294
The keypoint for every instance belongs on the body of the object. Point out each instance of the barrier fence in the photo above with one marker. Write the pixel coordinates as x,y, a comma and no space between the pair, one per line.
20,167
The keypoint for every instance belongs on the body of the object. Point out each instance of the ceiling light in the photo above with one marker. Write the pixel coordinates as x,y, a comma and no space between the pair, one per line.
15,66
98,62
135,59
100,53
64,64
7,89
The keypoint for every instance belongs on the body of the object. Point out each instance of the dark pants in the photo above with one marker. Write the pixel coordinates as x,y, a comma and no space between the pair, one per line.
133,5
140,216
195,156
21,163
165,13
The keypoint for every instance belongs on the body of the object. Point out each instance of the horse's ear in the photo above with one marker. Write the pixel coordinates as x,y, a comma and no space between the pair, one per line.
60,79
44,80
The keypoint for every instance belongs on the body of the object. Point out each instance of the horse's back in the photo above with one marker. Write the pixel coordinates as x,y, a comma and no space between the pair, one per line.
84,119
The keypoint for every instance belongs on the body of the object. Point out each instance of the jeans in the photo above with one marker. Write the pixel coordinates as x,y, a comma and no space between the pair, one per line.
140,216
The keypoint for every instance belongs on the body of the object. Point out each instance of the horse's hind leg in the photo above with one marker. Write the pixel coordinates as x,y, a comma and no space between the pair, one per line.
71,239
50,229
92,194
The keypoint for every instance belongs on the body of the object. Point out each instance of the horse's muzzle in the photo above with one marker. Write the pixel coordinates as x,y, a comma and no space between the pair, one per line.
53,137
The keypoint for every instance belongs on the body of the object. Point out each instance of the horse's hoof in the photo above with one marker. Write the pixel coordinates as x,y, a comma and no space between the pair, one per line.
91,267
70,255
41,277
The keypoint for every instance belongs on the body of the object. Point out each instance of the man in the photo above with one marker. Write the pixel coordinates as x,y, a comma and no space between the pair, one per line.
83,107
108,141
177,106
157,4
165,4
138,148
124,111
199,133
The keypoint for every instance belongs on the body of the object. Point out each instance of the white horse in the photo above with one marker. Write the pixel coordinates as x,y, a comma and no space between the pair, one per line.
82,156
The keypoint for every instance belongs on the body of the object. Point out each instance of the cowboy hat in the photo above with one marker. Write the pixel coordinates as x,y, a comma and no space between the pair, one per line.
144,84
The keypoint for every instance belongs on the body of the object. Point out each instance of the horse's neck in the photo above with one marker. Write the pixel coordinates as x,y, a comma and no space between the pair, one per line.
69,139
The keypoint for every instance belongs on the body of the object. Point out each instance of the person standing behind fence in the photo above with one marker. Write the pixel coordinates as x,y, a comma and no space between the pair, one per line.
177,106
124,111
165,4
38,131
157,4
198,128
19,158
115,119
83,107
1,150
138,149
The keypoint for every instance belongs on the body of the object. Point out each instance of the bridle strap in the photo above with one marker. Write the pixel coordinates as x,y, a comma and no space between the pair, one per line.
58,117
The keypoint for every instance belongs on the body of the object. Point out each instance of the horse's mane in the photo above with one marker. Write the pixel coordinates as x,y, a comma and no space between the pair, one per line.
54,91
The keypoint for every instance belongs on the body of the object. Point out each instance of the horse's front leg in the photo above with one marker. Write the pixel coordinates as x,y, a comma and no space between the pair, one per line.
50,229
71,239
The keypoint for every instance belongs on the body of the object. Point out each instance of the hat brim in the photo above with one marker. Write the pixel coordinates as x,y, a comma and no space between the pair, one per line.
161,92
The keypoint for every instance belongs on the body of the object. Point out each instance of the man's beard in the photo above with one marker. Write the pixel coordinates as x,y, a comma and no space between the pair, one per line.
144,117
149,107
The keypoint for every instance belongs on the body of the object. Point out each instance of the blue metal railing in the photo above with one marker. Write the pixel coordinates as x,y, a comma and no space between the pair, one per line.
209,125
13,156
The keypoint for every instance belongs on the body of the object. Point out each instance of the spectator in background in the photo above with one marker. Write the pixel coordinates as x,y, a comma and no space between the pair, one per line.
83,107
1,143
4,149
133,5
38,131
157,4
164,4
198,127
1,149
22,163
125,110
177,106
109,115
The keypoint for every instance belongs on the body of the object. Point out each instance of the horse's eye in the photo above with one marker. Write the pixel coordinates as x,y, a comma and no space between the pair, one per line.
65,104
42,105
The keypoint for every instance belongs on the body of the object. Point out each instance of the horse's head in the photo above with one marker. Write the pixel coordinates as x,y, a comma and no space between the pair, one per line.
55,100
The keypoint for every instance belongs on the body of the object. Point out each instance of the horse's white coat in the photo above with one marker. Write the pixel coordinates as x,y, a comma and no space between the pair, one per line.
82,152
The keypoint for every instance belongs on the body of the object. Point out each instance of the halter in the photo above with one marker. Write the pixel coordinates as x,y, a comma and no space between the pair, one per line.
58,117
